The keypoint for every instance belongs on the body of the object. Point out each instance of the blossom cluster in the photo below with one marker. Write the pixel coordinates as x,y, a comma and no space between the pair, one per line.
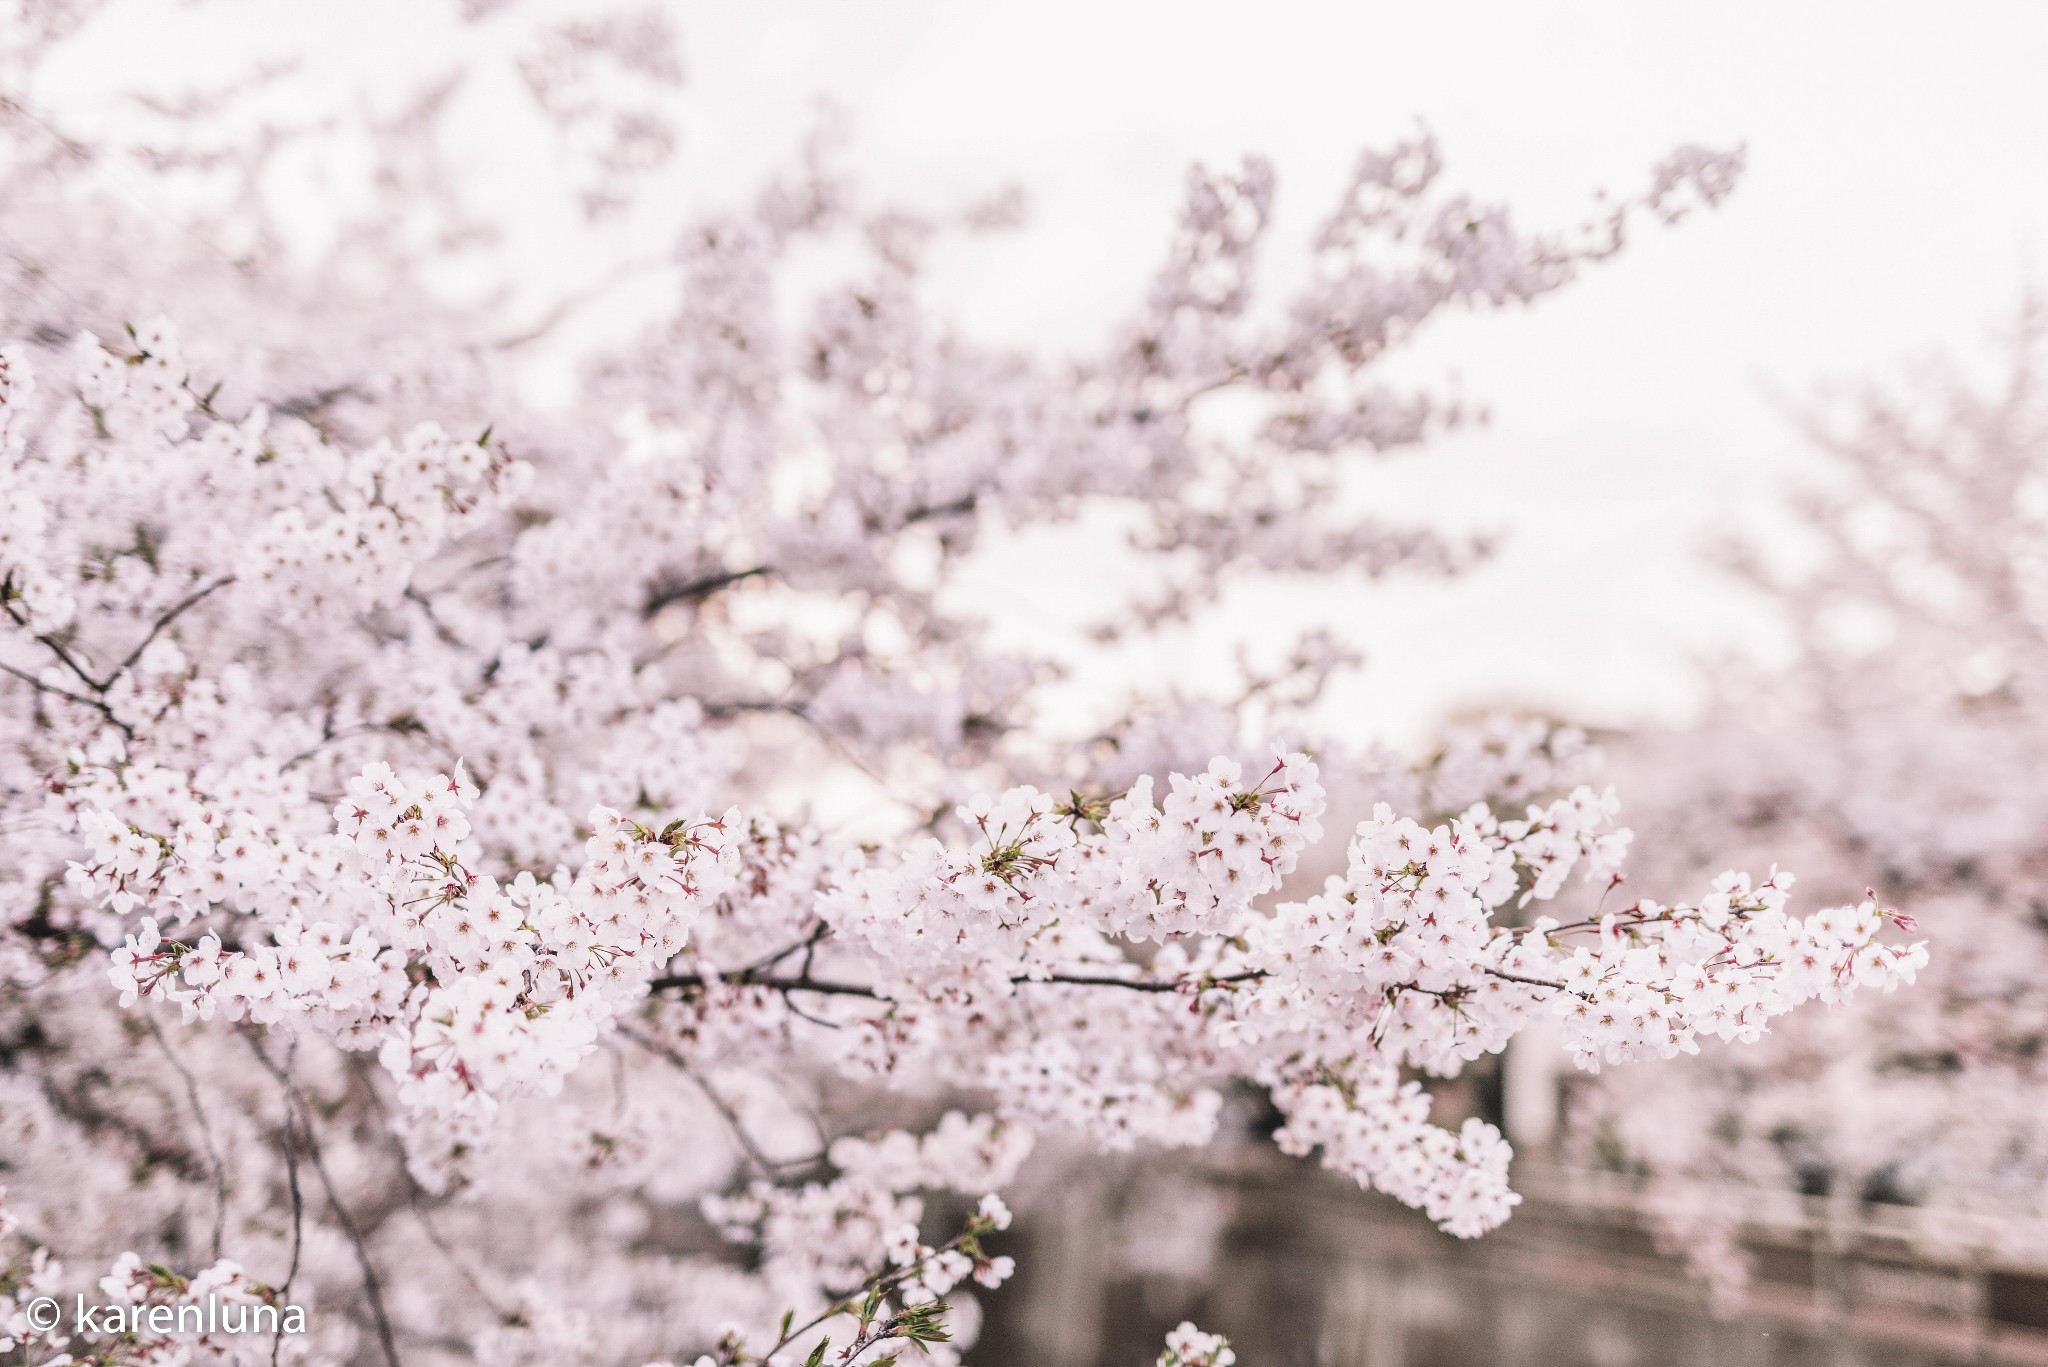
833,1229
123,1330
600,822
1188,1346
1036,891
474,989
514,979
1661,976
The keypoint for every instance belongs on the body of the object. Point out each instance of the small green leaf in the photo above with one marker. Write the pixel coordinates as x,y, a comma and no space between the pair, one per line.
924,1324
818,1353
788,1318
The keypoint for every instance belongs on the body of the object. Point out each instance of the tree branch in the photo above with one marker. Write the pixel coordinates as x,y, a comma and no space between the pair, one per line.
696,588
771,1168
220,1172
748,978
371,1288
98,705
190,600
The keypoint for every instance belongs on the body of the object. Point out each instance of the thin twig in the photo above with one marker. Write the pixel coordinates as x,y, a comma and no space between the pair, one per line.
220,1172
372,1290
291,1173
291,1168
355,1237
887,1280
163,621
802,1014
434,1238
57,647
1518,978
771,1168
97,704
414,1194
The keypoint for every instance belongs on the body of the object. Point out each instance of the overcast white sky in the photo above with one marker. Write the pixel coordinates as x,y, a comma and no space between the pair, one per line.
1895,206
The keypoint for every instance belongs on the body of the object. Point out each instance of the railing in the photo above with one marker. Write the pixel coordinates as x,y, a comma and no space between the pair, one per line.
1311,1271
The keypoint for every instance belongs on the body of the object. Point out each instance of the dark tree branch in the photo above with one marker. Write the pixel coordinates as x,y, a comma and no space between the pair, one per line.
959,507
98,705
1199,984
688,982
57,648
694,589
697,982
1518,978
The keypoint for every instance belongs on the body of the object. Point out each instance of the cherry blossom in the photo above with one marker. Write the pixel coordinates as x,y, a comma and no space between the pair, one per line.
580,885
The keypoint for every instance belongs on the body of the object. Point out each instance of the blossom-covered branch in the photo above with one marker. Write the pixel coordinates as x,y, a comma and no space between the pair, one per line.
624,850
